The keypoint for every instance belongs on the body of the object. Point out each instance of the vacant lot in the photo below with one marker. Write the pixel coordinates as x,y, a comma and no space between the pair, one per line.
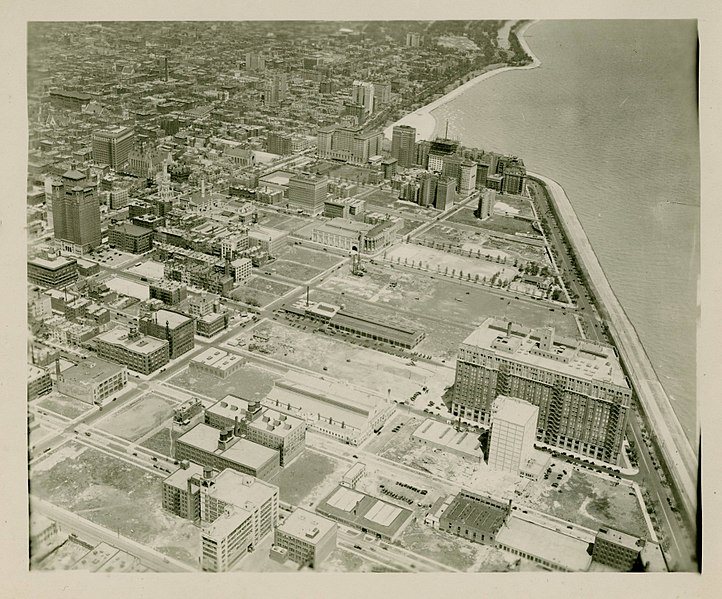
273,287
453,264
292,270
116,495
454,551
65,406
588,500
250,382
252,297
150,269
496,222
322,260
357,365
309,478
132,422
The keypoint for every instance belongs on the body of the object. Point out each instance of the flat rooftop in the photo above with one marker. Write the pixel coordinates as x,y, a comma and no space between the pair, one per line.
447,436
347,226
242,452
276,422
364,511
179,478
174,319
306,526
230,407
475,514
241,490
620,538
225,524
133,230
92,371
581,359
217,358
35,373
52,264
550,545
516,411
144,344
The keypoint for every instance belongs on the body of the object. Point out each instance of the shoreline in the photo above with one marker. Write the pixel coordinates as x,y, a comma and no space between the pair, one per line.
674,445
425,123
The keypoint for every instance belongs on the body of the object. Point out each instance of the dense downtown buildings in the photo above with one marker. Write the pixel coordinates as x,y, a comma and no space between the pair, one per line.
285,303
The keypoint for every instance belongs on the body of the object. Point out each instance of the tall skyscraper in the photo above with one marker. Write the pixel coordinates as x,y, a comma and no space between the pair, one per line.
255,62
308,193
163,68
112,146
513,433
76,213
578,385
413,40
363,95
276,89
403,145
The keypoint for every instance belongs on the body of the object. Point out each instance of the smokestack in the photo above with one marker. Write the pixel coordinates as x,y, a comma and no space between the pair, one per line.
237,427
58,375
307,295
508,329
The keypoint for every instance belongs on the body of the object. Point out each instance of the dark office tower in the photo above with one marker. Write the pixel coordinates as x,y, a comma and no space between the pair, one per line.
422,153
163,68
482,170
427,189
112,146
276,89
76,213
445,193
403,145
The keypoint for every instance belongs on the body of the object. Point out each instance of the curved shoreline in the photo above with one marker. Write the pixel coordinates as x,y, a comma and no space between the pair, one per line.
676,449
425,123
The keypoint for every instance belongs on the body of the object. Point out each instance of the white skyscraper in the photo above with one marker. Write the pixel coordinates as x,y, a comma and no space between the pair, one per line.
513,431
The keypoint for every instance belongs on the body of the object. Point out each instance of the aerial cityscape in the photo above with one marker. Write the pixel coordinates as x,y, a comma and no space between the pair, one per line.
286,313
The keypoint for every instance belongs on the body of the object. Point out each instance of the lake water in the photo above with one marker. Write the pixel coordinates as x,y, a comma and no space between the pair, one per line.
611,115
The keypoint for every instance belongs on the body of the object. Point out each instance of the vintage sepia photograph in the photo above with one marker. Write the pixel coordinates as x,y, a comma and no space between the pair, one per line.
363,296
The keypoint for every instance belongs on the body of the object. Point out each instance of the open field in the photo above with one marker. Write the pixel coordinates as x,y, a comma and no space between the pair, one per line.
439,261
160,441
342,560
63,558
514,205
309,478
482,242
357,365
454,551
272,219
293,270
587,500
116,495
275,288
131,423
250,382
291,223
355,174
65,406
496,222
316,259
463,306
252,297
409,225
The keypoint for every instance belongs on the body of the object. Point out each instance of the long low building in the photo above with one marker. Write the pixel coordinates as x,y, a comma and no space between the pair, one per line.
341,320
446,438
552,549
369,514
332,408
475,517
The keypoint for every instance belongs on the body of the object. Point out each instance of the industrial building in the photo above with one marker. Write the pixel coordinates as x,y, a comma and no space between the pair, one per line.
174,327
92,381
52,272
130,238
307,193
262,425
112,146
219,450
617,549
335,409
361,511
138,352
446,438
307,537
216,362
39,382
169,292
578,385
475,517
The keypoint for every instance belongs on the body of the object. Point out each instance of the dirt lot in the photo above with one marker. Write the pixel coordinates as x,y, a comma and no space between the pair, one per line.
357,365
132,422
114,494
63,558
587,500
443,262
65,406
295,253
275,288
252,297
292,270
249,381
496,222
454,551
309,478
